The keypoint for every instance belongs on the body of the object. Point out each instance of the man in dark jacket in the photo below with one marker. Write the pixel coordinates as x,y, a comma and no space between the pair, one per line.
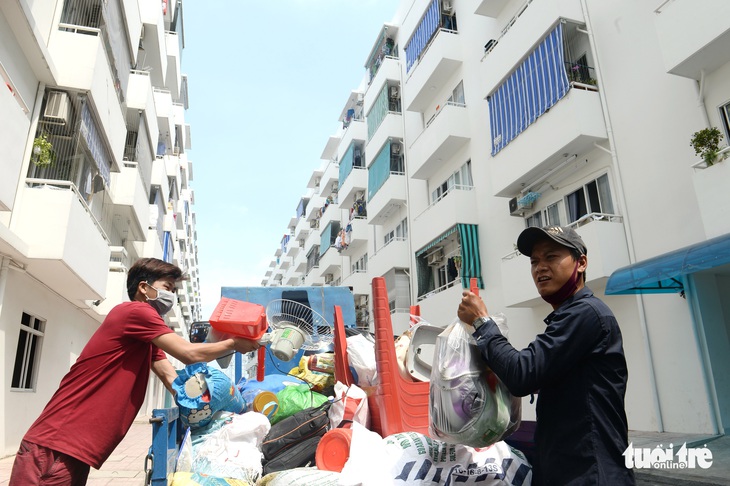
577,365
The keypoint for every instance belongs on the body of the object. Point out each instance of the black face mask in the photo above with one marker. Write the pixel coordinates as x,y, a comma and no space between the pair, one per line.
566,290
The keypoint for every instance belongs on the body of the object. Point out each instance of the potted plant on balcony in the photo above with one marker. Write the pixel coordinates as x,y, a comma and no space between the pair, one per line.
43,154
706,143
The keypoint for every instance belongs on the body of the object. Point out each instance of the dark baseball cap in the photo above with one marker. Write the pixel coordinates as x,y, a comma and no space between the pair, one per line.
560,234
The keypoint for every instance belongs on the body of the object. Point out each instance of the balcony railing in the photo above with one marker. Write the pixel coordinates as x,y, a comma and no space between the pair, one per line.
31,182
581,74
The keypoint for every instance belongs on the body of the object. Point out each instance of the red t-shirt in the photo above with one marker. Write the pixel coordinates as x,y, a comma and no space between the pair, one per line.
100,396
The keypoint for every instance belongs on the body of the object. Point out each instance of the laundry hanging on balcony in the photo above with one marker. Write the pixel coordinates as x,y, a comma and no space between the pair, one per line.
536,85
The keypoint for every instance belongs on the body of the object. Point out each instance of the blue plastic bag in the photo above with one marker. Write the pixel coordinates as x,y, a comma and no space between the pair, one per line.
202,391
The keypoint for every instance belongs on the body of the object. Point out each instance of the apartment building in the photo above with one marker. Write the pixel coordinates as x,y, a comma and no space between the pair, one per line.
478,118
95,175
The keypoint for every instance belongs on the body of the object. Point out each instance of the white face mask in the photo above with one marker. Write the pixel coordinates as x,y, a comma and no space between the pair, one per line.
163,302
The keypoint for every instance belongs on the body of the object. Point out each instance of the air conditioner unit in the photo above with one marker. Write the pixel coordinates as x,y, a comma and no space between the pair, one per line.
395,148
360,99
57,108
335,186
436,257
518,209
447,7
359,195
328,278
394,93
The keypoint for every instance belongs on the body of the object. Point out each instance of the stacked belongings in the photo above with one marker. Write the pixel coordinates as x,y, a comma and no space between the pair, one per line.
373,410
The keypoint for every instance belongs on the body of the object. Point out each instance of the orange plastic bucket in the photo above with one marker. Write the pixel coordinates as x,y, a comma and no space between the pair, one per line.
333,450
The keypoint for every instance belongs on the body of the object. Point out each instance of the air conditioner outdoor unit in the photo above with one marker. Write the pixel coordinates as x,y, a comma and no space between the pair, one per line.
359,195
395,148
394,94
328,278
335,186
57,107
518,209
436,257
446,5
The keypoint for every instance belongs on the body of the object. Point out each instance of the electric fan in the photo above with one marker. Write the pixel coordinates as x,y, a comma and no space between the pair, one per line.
295,326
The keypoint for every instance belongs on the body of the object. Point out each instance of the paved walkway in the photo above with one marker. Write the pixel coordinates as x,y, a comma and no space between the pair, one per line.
125,467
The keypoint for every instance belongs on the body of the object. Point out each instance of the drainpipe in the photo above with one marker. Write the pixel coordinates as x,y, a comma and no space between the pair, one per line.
627,225
700,88
4,264
28,152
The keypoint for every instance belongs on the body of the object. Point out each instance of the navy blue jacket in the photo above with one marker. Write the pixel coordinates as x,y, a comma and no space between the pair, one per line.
579,368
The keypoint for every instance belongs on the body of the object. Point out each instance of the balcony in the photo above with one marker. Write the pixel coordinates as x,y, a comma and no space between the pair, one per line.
300,263
389,199
605,237
173,77
331,213
455,206
331,261
440,305
540,148
390,128
446,134
140,97
329,181
285,262
165,118
358,237
396,254
437,65
294,247
131,202
314,208
693,36
353,188
359,281
522,36
87,69
302,229
356,131
389,71
67,248
313,278
490,8
153,54
712,195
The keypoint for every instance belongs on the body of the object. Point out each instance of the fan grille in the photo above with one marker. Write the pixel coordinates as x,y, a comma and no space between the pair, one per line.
283,312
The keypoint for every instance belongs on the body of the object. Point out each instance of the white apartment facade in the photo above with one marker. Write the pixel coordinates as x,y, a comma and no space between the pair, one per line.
95,175
477,118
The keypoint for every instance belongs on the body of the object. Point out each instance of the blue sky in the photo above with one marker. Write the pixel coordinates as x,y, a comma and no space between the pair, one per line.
267,83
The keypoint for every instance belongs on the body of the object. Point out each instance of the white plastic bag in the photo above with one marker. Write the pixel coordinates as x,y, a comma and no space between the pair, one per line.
361,356
351,403
234,451
414,459
468,404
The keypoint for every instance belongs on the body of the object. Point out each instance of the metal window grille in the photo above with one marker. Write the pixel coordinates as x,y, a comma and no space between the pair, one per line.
27,355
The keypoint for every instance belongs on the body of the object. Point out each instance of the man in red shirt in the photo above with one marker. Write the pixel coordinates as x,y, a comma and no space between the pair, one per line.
100,396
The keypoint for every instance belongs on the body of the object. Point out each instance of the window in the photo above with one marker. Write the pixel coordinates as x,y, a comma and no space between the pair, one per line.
27,355
725,117
459,179
535,220
360,265
594,197
457,96
400,232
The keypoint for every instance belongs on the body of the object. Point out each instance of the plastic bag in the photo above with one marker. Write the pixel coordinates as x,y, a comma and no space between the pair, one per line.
410,458
234,451
202,391
295,398
319,381
351,404
361,356
468,403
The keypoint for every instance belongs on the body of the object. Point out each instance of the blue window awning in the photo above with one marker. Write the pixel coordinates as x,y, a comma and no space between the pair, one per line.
663,273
